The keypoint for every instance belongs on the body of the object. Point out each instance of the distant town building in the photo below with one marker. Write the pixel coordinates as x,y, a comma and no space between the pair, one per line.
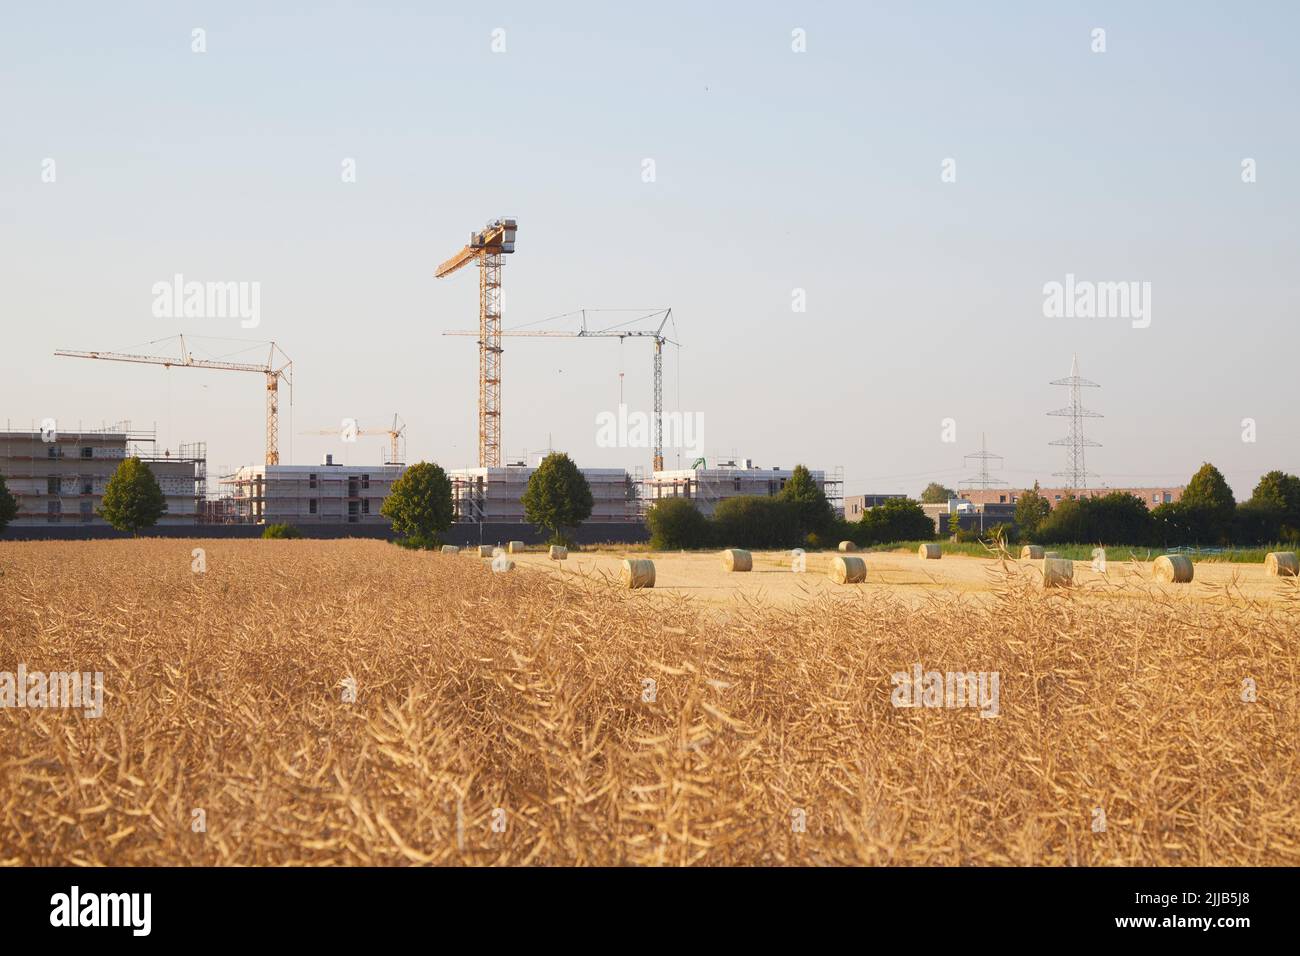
856,505
59,477
1152,496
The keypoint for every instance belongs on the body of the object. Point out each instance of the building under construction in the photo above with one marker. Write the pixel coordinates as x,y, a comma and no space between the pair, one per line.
327,493
495,494
59,477
707,485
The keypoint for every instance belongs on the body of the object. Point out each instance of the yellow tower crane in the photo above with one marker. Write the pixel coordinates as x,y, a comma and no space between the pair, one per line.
487,247
274,369
617,331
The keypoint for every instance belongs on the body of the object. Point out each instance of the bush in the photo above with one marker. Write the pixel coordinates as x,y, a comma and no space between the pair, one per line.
676,523
133,499
419,503
1116,518
756,522
280,531
557,496
895,519
419,542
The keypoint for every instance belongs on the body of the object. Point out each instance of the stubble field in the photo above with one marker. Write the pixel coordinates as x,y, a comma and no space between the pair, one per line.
543,716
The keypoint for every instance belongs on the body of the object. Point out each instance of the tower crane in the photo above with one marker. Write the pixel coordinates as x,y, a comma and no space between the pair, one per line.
657,335
394,437
487,247
273,368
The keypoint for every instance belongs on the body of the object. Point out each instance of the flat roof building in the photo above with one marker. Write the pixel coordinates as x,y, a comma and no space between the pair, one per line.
709,485
59,477
327,493
495,494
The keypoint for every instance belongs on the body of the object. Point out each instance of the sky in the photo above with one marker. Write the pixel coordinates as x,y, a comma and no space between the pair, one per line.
853,211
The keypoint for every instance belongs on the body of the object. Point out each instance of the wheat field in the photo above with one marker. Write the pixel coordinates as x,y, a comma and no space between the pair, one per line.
511,718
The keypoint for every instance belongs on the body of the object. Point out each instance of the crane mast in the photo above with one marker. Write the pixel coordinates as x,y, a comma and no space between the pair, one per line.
611,333
487,247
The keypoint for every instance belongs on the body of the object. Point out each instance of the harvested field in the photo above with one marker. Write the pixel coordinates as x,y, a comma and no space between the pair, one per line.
524,699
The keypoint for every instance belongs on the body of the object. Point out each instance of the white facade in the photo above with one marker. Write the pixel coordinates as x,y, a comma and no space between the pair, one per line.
312,494
495,494
707,486
60,477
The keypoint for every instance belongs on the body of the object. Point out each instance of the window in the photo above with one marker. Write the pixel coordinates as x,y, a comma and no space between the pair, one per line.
1168,498
1014,499
365,481
1155,496
365,506
1002,499
311,481
1058,497
52,485
52,451
53,510
87,488
87,452
87,511
311,506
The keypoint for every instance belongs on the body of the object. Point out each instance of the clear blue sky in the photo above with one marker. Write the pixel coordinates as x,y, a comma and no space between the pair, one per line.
775,170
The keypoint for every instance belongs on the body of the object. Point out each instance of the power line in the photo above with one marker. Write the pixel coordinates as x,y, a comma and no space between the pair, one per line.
1076,472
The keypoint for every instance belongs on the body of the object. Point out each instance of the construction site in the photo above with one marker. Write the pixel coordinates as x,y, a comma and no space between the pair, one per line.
334,493
351,495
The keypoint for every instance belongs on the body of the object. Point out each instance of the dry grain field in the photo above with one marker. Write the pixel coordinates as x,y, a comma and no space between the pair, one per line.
544,716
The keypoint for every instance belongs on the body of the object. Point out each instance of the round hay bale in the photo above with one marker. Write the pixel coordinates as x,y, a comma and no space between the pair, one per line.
637,573
515,547
1032,552
450,549
1282,564
929,552
1172,568
734,559
485,550
559,552
1051,554
847,546
1058,572
848,569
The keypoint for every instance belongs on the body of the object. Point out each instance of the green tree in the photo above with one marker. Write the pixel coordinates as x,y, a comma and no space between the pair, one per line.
8,505
419,504
815,512
133,500
676,523
1031,510
895,519
557,497
756,521
1278,490
936,494
1209,506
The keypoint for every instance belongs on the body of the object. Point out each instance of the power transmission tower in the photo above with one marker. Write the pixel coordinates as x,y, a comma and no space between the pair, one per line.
1076,473
982,480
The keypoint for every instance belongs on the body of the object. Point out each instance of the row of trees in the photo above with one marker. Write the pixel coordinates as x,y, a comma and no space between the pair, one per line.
800,516
1207,514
